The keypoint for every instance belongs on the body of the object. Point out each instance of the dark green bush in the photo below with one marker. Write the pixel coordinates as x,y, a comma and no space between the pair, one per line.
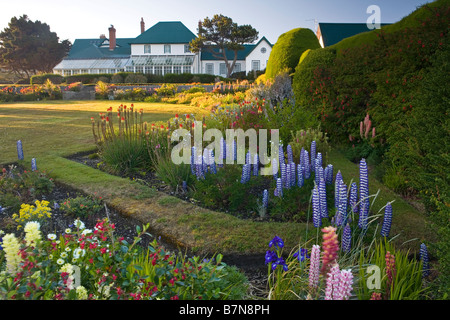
87,78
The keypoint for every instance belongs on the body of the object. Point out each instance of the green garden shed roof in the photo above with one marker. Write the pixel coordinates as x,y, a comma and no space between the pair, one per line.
333,33
165,32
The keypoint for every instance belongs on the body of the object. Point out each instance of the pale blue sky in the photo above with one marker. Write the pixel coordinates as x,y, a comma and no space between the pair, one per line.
89,18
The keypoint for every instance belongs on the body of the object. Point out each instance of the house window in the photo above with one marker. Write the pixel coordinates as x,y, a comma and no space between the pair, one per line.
167,69
147,48
148,70
139,69
186,48
177,69
209,68
263,50
223,68
237,67
186,69
158,70
129,69
167,48
255,65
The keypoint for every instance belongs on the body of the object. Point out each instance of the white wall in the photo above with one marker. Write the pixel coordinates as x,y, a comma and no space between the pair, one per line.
256,54
158,49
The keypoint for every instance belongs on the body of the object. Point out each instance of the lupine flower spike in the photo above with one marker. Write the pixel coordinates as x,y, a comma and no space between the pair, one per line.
424,259
330,248
386,228
346,239
316,216
314,267
363,194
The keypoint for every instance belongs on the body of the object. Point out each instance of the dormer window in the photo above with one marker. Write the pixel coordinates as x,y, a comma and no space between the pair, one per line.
147,48
167,48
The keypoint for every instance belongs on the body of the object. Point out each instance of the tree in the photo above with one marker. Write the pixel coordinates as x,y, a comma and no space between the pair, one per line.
28,47
220,35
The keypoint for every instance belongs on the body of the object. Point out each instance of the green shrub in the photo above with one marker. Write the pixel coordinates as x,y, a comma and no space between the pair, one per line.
40,79
287,50
87,78
82,206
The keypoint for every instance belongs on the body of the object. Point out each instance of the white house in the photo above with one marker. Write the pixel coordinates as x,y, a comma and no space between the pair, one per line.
162,49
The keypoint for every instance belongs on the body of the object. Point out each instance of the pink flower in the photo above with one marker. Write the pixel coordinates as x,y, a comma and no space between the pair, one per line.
314,267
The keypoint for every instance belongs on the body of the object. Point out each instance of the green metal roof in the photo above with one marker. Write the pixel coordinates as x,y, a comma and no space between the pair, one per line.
242,54
166,32
93,49
333,33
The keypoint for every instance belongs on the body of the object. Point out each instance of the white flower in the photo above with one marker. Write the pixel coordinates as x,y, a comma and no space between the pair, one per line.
86,231
82,293
60,261
68,230
67,249
32,233
63,255
78,252
51,236
79,224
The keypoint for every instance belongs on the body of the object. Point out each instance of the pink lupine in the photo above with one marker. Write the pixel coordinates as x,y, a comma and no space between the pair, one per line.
345,286
314,267
330,248
332,282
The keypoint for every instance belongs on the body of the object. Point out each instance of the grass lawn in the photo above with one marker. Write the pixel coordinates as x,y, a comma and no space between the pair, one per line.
51,130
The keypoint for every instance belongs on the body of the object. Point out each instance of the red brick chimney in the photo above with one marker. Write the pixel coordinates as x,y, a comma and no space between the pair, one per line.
112,38
142,25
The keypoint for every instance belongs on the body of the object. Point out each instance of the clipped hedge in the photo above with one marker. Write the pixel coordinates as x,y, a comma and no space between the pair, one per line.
287,50
42,78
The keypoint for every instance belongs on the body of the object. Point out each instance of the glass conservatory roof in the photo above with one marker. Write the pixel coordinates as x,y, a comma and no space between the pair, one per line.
161,60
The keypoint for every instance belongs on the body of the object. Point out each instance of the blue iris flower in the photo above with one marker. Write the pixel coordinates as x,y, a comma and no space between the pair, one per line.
277,242
301,254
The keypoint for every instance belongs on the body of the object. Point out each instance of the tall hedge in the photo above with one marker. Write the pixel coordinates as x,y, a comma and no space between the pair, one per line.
287,50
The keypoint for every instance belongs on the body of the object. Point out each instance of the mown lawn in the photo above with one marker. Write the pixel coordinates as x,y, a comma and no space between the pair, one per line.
52,130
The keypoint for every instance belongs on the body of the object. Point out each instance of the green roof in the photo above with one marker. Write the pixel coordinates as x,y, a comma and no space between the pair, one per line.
333,33
166,32
93,49
242,54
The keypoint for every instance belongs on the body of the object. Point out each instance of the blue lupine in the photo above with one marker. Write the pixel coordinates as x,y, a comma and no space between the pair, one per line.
234,150
319,174
283,173
353,201
313,155
302,157
256,165
425,260
293,174
316,207
346,238
329,175
245,173
212,162
307,166
265,200
248,156
288,180
337,185
33,164
19,150
323,199
279,188
342,209
275,168
290,155
318,160
281,155
363,195
193,165
184,186
387,221
300,178
199,168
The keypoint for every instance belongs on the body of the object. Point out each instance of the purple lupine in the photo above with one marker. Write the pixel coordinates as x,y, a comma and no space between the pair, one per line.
193,165
323,199
248,156
212,160
316,216
319,161
300,179
342,209
283,173
353,201
279,188
387,221
329,175
346,238
265,200
313,155
287,182
33,164
275,168
290,155
19,150
245,173
234,150
337,186
281,155
319,174
293,174
363,195
199,168
307,166
302,157
425,260
256,165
